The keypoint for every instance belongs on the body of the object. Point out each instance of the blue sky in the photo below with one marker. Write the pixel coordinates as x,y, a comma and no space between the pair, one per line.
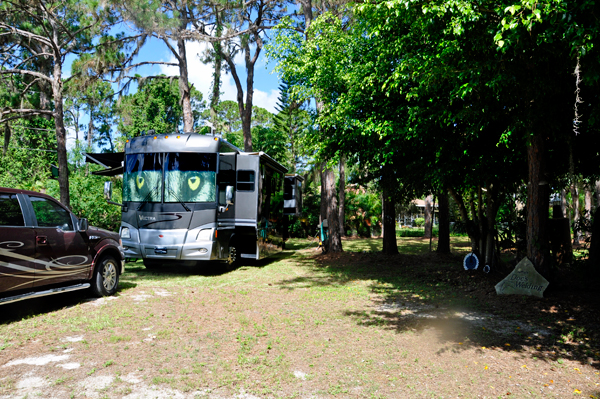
266,83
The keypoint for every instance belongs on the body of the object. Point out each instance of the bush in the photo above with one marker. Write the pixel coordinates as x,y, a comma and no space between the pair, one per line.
420,222
414,232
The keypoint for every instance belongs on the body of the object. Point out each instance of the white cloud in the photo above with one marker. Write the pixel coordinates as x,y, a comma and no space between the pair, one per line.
266,100
200,75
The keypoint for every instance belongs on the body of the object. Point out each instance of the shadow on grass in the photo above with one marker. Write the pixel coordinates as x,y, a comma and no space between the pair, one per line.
136,269
430,291
38,306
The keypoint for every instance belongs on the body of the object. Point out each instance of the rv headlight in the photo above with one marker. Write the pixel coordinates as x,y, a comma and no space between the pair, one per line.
205,235
125,232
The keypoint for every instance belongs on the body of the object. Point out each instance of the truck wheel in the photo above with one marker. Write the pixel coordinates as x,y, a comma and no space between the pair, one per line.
106,277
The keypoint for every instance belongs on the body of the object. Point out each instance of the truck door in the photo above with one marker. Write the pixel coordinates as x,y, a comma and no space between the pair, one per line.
61,250
17,246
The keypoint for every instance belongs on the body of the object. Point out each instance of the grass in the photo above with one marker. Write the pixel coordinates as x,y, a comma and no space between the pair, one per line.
357,324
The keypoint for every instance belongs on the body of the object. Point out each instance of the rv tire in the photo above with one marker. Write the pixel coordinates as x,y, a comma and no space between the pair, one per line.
232,257
152,264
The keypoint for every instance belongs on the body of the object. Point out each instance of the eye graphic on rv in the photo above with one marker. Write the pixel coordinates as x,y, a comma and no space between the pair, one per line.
194,182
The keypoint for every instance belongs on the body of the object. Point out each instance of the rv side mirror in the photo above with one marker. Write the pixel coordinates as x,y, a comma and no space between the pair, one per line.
108,190
229,195
83,225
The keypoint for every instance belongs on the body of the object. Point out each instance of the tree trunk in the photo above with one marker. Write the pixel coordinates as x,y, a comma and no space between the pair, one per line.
245,109
472,231
390,244
61,136
428,220
323,205
588,210
6,138
216,84
332,212
90,133
537,206
576,216
594,257
184,88
481,222
46,90
492,206
342,195
444,223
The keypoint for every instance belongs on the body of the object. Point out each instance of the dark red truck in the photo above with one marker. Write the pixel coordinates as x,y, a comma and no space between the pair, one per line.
45,249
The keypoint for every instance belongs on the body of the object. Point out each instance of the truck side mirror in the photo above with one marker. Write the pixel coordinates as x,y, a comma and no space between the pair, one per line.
83,225
229,195
108,190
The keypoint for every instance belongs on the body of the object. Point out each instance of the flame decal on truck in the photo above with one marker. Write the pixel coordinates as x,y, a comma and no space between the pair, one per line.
59,267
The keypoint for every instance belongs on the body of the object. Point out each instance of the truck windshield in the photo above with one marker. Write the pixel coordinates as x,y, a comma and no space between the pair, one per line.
190,177
142,180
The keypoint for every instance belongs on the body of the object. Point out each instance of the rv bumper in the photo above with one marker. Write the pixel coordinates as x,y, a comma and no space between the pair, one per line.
165,245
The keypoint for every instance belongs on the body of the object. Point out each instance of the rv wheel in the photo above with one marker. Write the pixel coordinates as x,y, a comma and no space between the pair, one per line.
152,264
232,258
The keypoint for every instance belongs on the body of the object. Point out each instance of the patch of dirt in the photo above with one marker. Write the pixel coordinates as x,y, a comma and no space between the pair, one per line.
568,314
349,325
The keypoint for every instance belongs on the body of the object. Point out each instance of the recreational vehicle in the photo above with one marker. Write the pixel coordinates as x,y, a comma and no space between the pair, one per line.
189,198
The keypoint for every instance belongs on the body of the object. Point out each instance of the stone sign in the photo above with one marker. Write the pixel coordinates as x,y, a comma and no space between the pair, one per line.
524,280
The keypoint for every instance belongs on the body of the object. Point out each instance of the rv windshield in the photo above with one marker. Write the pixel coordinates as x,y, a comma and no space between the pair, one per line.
142,180
190,177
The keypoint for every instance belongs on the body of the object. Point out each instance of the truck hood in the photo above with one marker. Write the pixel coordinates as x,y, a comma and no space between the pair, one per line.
96,233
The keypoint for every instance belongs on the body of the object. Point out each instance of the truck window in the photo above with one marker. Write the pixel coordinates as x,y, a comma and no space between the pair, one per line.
10,211
49,214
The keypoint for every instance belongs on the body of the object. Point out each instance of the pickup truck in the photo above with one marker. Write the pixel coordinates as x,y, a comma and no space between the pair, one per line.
45,249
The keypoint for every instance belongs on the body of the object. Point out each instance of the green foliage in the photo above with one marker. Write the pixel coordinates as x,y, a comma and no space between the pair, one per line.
95,98
307,224
292,122
363,212
409,89
420,222
87,200
31,149
155,105
416,232
26,165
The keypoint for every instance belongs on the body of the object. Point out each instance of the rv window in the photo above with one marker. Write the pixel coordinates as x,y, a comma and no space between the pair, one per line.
191,177
142,180
245,180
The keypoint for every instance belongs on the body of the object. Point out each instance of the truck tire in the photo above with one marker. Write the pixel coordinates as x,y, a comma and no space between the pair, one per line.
105,281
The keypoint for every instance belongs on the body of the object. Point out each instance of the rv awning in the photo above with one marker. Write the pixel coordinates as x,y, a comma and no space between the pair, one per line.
106,159
109,172
269,161
112,161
